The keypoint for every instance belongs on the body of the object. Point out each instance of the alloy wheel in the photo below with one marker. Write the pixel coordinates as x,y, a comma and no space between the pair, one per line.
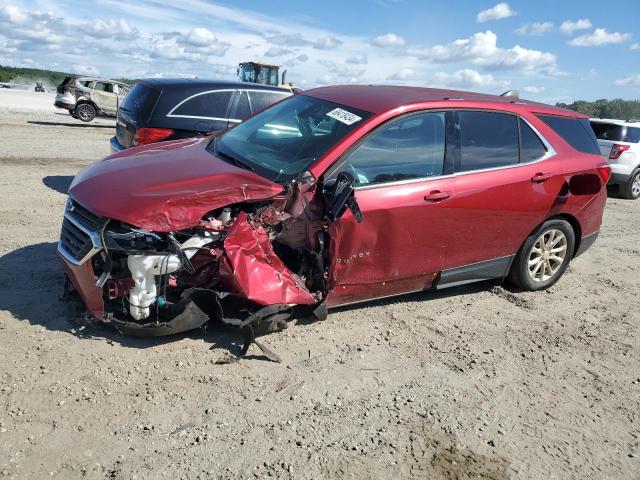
547,255
84,111
635,185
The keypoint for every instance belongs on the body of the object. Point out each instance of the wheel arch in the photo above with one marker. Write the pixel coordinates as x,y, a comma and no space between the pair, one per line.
575,225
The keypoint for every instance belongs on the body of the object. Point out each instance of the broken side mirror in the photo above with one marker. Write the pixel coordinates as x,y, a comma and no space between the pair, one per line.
343,197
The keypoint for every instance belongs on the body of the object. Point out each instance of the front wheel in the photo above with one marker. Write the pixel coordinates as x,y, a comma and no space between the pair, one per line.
544,257
631,189
85,112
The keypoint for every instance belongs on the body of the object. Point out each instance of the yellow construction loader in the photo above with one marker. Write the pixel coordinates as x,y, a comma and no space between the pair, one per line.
265,74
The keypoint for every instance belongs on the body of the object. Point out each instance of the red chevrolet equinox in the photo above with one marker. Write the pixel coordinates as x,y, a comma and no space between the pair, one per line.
333,196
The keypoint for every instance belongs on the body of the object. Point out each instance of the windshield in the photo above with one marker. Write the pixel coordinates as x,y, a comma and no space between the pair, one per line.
283,141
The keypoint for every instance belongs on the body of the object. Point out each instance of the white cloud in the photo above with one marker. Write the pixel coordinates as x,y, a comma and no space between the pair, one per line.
497,12
357,59
632,81
530,89
481,49
470,78
635,46
289,40
599,37
536,28
568,27
86,70
277,52
110,28
403,74
388,40
327,43
341,70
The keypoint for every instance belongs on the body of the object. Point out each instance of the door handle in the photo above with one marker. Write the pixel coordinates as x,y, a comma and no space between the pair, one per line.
436,196
540,177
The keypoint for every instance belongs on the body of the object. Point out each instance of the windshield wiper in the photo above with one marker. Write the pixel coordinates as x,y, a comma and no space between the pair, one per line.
235,161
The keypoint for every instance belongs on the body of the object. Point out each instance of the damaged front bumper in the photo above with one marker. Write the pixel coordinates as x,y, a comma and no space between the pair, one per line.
224,270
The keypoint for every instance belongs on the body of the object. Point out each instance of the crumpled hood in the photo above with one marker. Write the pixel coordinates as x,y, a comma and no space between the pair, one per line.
166,186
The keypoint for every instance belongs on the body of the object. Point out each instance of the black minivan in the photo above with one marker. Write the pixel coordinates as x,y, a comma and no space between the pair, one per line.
159,109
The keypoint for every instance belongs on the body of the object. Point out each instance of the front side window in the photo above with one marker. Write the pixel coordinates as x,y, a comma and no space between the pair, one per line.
243,108
577,132
211,105
487,140
409,148
261,100
283,141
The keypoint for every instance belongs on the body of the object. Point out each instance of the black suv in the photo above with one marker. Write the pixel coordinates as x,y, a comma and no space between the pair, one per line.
159,109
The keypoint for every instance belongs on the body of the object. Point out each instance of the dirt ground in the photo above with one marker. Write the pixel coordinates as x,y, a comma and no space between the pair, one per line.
471,382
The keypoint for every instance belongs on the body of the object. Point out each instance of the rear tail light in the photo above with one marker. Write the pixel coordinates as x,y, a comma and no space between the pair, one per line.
144,136
617,150
604,170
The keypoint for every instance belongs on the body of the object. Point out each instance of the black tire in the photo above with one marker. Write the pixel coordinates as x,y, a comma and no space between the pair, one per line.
631,189
520,275
85,112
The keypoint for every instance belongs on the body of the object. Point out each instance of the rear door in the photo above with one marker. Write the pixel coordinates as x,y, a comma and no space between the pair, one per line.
505,186
104,96
403,194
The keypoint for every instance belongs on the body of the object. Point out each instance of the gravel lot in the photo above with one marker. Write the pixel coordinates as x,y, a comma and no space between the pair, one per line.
472,382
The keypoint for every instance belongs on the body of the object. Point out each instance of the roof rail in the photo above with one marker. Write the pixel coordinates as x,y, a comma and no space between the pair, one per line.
511,94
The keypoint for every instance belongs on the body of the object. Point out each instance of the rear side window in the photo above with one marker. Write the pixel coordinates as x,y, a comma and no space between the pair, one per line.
577,132
487,140
412,147
633,135
213,105
140,101
261,100
531,147
103,87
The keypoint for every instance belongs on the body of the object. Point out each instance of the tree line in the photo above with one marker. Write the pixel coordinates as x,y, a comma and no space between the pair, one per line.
617,108
32,75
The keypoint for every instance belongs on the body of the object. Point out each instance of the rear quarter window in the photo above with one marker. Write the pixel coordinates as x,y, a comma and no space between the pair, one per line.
140,101
577,132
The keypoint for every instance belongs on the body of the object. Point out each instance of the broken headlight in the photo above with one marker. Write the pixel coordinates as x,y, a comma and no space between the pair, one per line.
120,237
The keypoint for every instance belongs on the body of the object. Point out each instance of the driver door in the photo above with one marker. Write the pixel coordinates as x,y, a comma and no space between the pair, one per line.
402,192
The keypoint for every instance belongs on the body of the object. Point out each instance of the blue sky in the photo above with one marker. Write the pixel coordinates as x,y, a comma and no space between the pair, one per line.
548,50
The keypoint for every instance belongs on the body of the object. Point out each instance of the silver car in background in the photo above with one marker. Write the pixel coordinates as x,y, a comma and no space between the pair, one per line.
619,142
88,97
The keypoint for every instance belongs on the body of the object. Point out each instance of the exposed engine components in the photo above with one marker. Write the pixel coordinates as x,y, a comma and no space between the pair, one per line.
145,268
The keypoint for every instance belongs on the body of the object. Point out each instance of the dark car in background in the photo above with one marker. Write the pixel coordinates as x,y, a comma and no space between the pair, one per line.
159,109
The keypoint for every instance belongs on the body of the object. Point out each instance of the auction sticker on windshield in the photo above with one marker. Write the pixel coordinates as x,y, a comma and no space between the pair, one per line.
343,116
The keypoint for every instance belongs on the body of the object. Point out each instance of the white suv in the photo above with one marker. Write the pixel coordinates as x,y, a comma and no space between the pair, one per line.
619,142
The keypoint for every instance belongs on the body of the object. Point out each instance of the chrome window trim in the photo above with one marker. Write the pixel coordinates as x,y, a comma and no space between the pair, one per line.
219,119
551,152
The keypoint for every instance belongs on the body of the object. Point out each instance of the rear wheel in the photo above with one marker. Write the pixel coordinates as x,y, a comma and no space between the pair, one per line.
544,257
85,112
631,189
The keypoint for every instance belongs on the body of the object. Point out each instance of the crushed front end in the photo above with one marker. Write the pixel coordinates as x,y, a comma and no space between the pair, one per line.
246,265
